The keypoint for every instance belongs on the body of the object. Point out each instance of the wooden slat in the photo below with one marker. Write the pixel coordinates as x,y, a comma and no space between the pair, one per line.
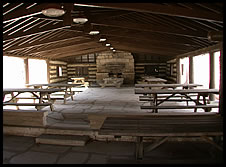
164,126
179,107
27,104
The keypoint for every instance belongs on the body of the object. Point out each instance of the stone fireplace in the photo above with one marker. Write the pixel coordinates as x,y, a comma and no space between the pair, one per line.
117,65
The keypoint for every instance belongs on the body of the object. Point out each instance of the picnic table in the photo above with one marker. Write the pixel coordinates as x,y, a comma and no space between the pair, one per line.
155,80
80,80
204,93
163,86
37,94
112,81
66,89
164,127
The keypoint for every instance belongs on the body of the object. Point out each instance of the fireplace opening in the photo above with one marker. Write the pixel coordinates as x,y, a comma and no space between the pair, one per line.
115,75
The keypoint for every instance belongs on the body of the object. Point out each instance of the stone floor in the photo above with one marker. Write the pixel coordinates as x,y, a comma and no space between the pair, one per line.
111,100
23,150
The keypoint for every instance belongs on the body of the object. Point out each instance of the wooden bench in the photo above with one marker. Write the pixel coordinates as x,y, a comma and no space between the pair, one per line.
77,91
65,96
53,99
37,105
25,117
162,96
174,100
206,107
207,127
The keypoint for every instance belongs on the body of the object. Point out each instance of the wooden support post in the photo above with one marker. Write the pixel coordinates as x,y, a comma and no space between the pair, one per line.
191,70
178,71
221,83
26,71
139,148
212,75
48,71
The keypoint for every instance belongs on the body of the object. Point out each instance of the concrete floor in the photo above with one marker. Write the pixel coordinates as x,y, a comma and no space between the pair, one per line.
21,149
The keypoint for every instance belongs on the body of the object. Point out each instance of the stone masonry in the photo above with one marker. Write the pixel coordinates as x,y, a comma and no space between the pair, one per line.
120,62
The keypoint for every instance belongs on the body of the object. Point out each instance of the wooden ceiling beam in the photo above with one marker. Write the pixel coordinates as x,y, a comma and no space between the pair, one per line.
152,28
68,7
66,49
81,52
62,46
70,57
150,49
34,31
22,12
149,36
37,43
152,43
161,9
142,51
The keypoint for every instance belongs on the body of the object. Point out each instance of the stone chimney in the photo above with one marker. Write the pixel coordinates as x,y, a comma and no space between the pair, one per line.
119,64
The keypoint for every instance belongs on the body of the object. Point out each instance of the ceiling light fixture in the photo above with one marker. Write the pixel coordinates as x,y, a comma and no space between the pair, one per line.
107,44
102,39
80,20
53,12
111,48
94,32
114,50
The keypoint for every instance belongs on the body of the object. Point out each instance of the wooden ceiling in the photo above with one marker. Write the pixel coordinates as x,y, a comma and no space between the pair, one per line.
155,29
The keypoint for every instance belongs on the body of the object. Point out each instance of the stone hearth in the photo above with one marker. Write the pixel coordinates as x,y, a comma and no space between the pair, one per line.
120,64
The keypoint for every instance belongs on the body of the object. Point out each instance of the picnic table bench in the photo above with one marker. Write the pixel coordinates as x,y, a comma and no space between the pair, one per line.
66,90
204,93
112,81
38,94
164,86
207,127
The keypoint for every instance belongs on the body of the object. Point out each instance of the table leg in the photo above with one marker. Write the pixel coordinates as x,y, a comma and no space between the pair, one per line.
49,100
204,102
139,151
71,94
197,102
40,101
155,100
14,100
65,97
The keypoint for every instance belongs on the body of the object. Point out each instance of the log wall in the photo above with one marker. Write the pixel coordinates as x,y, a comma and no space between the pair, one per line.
171,76
91,78
140,69
53,78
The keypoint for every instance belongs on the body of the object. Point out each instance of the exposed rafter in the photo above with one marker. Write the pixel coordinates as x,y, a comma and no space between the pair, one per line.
160,9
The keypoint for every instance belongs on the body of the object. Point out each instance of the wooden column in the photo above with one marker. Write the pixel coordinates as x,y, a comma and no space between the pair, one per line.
178,71
221,103
26,71
212,74
191,69
48,71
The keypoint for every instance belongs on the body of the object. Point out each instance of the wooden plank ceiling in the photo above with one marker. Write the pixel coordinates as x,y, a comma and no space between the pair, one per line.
156,29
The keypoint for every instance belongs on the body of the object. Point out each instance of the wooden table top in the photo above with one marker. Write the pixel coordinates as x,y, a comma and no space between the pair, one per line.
79,78
155,80
166,91
163,125
166,85
57,85
10,90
